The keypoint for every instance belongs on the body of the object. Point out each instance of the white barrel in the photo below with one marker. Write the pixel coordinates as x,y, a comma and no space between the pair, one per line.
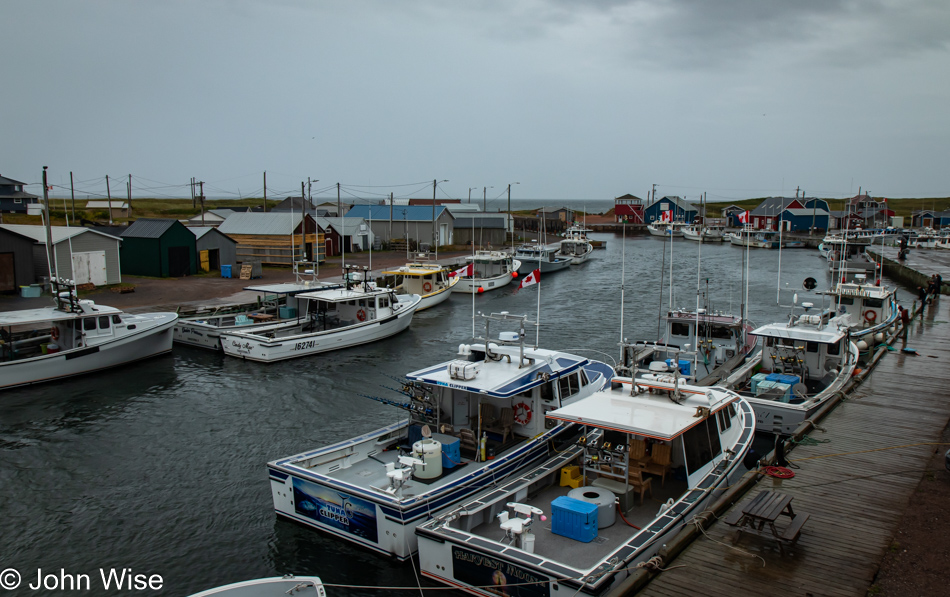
428,451
605,500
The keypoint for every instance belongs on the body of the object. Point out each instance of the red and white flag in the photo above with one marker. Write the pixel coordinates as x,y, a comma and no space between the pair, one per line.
532,278
744,217
468,270
667,216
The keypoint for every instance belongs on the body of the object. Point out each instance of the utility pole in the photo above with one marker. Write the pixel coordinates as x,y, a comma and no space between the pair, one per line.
202,183
130,194
309,189
339,207
391,216
303,220
265,191
484,195
654,194
72,193
435,240
194,203
109,197
49,234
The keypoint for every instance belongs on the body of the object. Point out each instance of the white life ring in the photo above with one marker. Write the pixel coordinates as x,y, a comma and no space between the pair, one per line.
870,316
361,315
427,286
522,413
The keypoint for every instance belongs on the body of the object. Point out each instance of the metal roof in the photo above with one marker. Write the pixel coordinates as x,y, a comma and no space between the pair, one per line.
350,225
271,223
200,231
400,213
805,211
9,181
678,201
59,233
96,204
148,228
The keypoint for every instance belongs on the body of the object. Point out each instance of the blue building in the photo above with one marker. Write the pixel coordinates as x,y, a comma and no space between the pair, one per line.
682,211
801,220
13,199
930,218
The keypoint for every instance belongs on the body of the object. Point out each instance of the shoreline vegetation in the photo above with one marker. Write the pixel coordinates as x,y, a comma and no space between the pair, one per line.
182,209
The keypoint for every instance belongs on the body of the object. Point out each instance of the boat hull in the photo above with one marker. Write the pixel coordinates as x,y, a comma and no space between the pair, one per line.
253,348
144,343
472,285
546,267
439,296
204,335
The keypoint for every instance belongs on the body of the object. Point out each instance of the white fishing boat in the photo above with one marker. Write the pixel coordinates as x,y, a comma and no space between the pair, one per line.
709,234
472,422
430,280
756,239
537,256
705,346
576,246
74,337
356,313
303,586
801,365
491,270
872,306
278,304
661,228
554,529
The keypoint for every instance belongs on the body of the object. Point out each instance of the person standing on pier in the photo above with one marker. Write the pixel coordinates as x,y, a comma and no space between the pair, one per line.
922,295
905,320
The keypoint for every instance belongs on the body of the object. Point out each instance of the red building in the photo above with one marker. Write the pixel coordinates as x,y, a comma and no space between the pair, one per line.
628,208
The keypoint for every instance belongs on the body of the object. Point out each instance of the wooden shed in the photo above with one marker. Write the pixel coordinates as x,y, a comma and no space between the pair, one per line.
214,248
275,238
16,261
159,248
83,255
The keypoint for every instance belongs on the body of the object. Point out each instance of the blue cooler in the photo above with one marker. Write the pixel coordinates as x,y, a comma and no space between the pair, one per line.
225,271
574,519
787,379
684,365
451,457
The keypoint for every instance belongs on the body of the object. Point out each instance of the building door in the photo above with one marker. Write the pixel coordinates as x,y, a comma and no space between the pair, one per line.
443,234
203,262
179,261
214,259
90,268
7,273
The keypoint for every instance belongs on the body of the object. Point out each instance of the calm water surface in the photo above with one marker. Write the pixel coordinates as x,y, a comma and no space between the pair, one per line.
160,467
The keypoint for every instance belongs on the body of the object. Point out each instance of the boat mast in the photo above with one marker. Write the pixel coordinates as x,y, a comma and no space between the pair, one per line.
49,239
623,269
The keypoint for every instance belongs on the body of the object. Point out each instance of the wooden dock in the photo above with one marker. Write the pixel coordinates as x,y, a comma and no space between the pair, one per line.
855,485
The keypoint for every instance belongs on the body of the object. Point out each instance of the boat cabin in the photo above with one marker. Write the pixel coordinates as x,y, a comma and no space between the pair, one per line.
491,264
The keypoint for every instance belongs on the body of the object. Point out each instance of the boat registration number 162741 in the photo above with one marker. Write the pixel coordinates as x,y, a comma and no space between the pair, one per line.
305,345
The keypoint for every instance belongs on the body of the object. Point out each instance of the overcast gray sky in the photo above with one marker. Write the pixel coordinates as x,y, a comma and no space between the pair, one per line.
573,99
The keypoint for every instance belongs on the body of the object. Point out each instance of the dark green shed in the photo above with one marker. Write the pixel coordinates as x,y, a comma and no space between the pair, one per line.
158,248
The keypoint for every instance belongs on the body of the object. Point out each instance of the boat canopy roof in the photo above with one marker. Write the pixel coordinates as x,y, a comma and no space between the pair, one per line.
286,287
487,256
501,378
50,314
415,269
805,330
341,295
649,415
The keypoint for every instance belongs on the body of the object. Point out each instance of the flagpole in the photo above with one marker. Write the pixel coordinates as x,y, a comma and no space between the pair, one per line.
623,269
473,290
537,324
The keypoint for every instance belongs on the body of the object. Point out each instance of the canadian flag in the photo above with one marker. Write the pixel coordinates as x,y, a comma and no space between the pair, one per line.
667,216
532,278
744,217
468,270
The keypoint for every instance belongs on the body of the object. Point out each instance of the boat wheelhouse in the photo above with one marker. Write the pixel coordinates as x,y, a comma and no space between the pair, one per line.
800,366
710,234
575,245
76,337
300,586
356,313
660,228
471,421
537,256
632,439
705,346
756,239
872,306
493,270
430,280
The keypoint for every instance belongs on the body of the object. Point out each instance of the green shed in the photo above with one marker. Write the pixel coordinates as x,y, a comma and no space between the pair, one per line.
159,248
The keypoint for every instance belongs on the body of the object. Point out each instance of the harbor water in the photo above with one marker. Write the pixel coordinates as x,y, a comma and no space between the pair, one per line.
159,467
